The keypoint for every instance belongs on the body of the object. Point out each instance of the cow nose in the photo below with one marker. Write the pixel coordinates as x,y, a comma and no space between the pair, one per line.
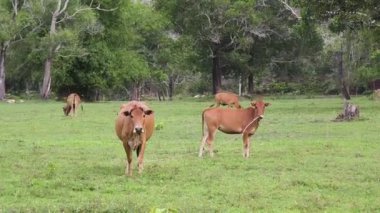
138,130
261,116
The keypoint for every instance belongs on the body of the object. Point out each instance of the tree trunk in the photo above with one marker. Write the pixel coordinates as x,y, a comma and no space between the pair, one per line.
159,95
344,89
171,87
250,84
216,72
136,95
2,70
46,85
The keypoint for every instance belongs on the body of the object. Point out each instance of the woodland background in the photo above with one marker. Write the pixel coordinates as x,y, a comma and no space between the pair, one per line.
116,49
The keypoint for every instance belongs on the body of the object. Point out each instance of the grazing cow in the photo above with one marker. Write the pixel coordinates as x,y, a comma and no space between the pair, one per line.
231,121
72,104
227,98
134,126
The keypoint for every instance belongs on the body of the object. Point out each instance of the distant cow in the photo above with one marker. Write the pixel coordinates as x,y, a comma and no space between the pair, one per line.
72,104
134,126
226,98
231,121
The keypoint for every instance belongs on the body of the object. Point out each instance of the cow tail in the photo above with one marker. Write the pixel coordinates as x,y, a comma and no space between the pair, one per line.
74,104
203,123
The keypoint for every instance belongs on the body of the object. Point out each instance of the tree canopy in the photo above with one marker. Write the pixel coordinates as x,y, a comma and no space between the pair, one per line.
105,49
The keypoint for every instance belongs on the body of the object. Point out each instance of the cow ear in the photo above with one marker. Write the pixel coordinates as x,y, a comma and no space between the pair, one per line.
127,113
267,104
148,112
253,103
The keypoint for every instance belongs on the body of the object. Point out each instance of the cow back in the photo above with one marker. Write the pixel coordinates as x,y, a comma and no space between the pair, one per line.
231,121
73,98
227,97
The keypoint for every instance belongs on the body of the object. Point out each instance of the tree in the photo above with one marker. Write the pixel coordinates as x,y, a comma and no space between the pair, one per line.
134,35
173,57
13,27
347,18
230,33
64,20
204,20
368,66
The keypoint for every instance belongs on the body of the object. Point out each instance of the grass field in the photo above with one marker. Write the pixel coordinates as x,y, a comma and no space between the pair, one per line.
300,160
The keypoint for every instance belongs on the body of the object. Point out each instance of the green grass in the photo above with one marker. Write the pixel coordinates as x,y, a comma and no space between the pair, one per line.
300,160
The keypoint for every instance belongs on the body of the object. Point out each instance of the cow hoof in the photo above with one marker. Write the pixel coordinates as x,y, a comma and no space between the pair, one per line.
141,170
128,173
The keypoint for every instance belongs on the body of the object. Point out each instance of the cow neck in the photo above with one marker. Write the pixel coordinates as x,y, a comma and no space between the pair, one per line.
253,120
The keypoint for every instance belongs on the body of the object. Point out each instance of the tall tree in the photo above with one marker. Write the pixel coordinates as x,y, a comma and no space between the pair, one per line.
225,31
13,28
175,59
347,18
211,28
134,34
65,19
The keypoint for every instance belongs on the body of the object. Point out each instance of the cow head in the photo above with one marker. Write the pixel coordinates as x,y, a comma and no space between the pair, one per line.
137,116
260,107
66,110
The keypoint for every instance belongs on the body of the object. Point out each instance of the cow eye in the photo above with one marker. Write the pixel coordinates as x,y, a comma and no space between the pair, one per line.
144,115
131,116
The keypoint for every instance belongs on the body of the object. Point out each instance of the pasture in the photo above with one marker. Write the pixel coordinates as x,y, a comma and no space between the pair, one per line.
300,160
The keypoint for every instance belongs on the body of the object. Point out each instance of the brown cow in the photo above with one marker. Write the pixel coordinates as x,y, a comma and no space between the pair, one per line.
226,98
231,121
134,126
72,103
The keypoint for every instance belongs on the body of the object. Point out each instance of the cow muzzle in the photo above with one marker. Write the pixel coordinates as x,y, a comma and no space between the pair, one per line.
138,130
261,117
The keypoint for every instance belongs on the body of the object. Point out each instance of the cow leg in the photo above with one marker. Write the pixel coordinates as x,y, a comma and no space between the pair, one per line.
138,150
210,139
202,146
140,157
74,107
203,140
128,161
71,110
246,145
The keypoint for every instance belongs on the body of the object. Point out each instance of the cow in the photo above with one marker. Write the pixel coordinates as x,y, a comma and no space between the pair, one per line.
134,126
72,103
231,121
227,98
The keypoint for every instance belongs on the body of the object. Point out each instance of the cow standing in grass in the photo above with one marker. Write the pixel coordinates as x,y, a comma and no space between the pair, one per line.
134,126
231,121
72,104
226,98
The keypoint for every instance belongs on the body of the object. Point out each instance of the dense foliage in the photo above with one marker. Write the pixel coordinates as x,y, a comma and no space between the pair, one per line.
107,49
